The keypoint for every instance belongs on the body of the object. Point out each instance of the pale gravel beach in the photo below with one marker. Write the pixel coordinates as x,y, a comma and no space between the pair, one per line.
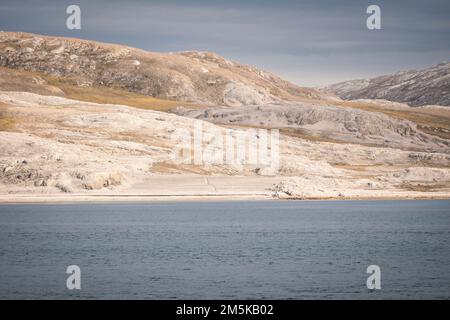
204,188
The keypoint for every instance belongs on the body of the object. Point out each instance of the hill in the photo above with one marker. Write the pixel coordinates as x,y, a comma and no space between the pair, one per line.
429,86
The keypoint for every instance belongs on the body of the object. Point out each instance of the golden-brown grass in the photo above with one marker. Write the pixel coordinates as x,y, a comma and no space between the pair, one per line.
101,94
21,80
431,122
7,122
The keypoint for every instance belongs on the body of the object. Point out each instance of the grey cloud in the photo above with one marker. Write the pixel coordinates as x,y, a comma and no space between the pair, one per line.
305,35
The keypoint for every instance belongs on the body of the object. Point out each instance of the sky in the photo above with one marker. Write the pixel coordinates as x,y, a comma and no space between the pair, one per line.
311,43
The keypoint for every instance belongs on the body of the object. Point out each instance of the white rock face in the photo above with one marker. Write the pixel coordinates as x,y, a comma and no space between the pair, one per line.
237,94
67,146
321,120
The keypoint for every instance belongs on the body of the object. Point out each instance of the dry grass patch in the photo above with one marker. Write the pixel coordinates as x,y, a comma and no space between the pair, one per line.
108,95
23,80
7,121
105,95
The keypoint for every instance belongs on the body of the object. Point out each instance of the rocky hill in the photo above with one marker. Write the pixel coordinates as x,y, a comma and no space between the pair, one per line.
326,123
200,77
417,88
54,145
90,119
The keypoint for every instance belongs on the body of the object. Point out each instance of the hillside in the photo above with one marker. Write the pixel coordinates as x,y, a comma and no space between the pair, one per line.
429,86
200,77
53,146
85,119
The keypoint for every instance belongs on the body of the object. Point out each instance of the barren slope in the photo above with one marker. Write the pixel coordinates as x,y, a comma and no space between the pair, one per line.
68,126
417,87
54,145
201,77
321,120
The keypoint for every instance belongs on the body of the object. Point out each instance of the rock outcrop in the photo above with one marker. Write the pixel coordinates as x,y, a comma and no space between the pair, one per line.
325,121
63,146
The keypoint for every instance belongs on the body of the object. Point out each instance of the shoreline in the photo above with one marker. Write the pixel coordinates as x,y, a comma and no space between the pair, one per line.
132,198
195,188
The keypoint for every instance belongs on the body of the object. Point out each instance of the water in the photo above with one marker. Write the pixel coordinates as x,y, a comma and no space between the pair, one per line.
224,250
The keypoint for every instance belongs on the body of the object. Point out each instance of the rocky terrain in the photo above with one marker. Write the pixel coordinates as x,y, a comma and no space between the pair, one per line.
323,120
201,77
429,86
97,127
54,145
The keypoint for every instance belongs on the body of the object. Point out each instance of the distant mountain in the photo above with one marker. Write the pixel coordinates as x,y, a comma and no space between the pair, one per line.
201,77
417,88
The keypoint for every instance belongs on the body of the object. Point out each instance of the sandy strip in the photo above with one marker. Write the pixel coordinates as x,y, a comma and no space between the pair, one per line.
124,198
83,198
200,188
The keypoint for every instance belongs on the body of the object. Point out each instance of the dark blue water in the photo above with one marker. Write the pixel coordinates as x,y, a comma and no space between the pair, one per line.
269,249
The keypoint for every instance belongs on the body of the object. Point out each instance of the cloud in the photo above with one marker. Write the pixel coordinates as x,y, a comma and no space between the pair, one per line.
306,33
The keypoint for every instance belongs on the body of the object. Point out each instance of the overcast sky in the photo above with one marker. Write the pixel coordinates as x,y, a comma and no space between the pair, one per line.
311,42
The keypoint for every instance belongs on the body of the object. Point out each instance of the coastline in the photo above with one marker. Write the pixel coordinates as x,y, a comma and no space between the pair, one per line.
121,198
142,198
176,188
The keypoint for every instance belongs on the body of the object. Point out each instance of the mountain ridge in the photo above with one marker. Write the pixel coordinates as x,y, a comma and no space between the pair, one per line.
429,86
194,76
